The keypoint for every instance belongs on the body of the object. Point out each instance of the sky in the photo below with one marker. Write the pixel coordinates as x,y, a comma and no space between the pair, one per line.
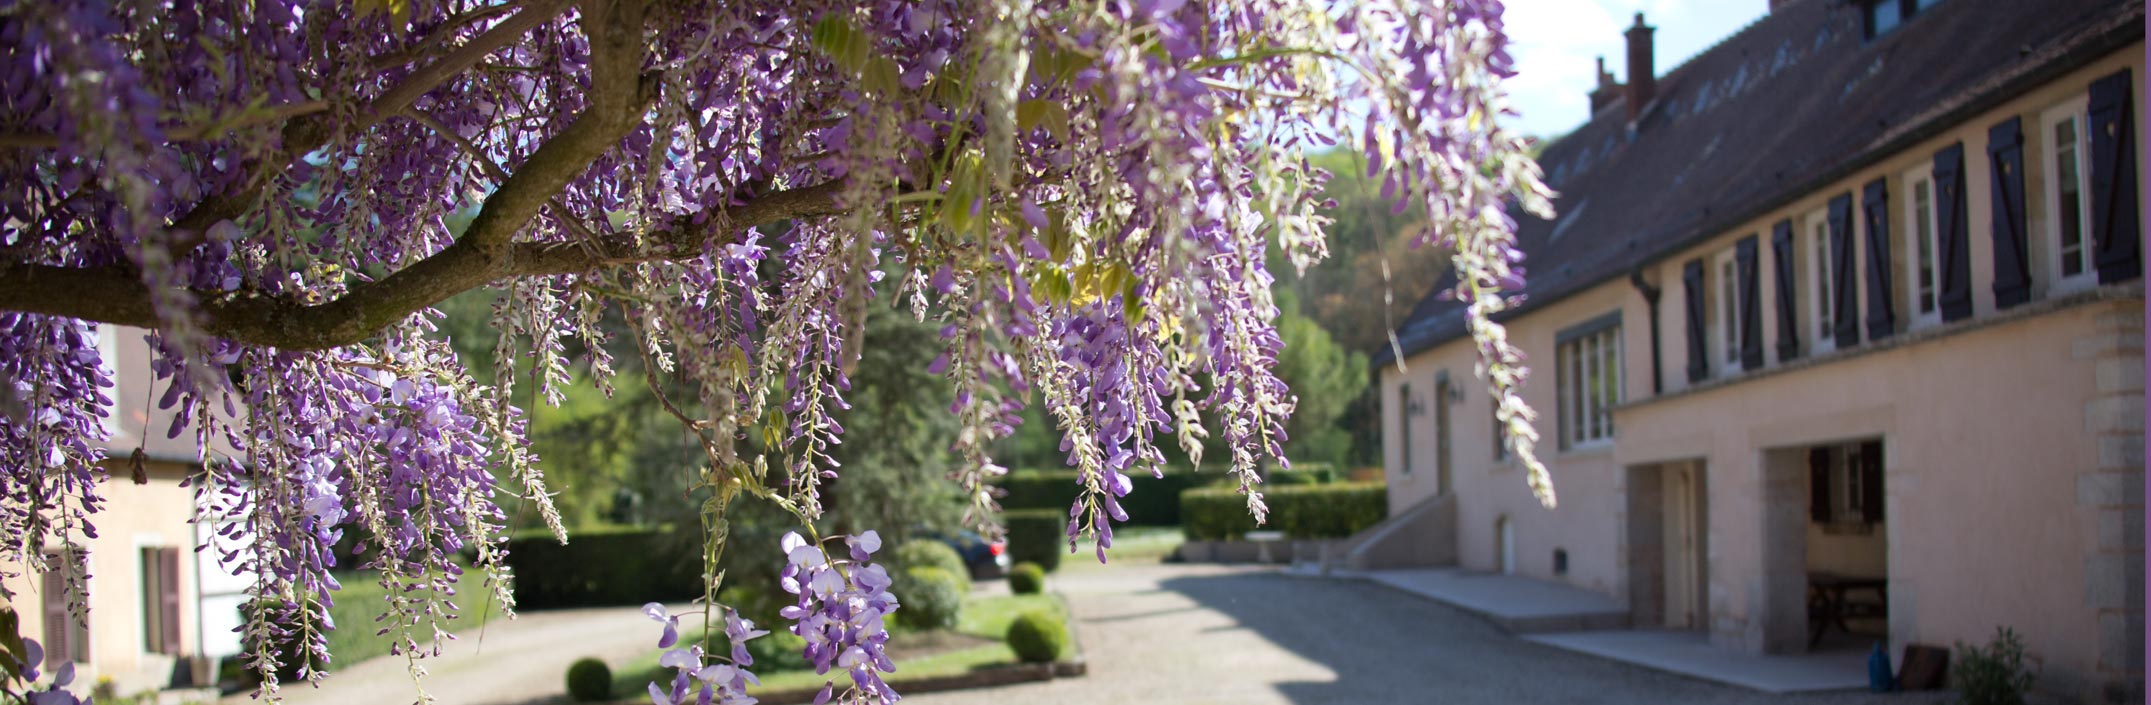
1556,44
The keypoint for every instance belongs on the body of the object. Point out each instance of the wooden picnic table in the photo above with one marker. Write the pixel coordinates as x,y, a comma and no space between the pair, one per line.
1827,603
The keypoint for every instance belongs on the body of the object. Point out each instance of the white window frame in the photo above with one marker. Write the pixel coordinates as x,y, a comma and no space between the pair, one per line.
1924,308
1848,507
1725,281
2077,110
148,606
1815,242
108,358
1583,374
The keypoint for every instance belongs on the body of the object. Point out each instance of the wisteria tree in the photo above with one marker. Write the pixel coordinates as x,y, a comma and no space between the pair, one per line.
1081,193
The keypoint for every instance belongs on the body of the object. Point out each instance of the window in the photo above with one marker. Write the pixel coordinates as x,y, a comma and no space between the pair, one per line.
1728,294
1442,390
1881,16
1921,223
2068,197
1404,428
1845,486
1820,266
160,600
67,632
1589,367
1501,447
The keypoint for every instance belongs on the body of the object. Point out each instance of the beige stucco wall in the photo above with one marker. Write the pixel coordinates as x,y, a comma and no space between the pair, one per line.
2013,441
134,517
1491,489
1986,438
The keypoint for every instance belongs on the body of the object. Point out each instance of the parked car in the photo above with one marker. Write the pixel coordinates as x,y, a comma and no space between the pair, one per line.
985,559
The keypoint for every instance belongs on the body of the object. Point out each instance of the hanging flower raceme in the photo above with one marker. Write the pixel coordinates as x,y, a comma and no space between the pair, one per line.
700,678
840,612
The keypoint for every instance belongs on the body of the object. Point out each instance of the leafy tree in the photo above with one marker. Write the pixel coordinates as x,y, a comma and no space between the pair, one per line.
1325,377
1079,196
900,432
1378,267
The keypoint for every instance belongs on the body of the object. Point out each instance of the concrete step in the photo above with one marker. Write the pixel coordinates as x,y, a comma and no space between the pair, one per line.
1691,654
1517,604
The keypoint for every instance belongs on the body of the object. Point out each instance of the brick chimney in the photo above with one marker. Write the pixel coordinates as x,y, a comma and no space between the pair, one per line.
1607,91
1642,76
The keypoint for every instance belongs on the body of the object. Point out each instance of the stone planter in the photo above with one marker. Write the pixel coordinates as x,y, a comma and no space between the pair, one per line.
1198,551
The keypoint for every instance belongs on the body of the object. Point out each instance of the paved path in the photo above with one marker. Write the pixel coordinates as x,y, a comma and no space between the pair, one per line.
1203,635
519,661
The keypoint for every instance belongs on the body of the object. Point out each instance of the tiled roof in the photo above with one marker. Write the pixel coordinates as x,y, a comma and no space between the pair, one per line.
1796,100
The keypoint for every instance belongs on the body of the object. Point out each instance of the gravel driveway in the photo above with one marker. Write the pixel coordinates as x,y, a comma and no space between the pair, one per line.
517,661
1201,635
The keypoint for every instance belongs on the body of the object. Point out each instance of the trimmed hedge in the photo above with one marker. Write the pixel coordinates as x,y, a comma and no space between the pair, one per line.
1037,536
932,598
1037,637
1154,501
929,553
1301,511
1026,579
604,566
1304,474
589,681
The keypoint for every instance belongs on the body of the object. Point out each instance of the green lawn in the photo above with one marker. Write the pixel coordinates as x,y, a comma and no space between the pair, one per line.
1131,544
985,617
360,601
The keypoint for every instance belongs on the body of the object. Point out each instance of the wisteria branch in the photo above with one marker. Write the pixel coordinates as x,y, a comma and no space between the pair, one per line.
309,132
116,295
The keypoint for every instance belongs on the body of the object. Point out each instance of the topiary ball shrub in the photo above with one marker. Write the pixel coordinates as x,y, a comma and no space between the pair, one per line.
589,681
1037,536
931,599
1037,637
928,553
1027,578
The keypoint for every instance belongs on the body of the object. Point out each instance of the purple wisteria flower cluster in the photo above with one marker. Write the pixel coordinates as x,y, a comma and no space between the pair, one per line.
1085,196
29,668
842,605
700,678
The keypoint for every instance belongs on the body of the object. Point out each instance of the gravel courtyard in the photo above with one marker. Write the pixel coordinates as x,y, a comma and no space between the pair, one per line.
1203,635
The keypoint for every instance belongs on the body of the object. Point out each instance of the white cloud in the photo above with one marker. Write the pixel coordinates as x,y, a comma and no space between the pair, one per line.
1556,42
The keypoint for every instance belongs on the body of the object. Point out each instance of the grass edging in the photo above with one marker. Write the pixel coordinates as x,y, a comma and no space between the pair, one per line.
984,678
1073,666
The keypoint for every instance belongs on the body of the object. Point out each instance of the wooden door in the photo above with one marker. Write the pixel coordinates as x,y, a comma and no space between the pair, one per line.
1684,560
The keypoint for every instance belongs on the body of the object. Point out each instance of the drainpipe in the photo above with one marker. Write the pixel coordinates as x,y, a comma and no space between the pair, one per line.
1650,301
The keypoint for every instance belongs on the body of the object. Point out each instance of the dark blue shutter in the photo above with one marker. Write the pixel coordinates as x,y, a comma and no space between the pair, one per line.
2005,173
1871,500
1691,279
1751,303
1818,485
1875,206
1953,233
1844,283
1781,264
2114,223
